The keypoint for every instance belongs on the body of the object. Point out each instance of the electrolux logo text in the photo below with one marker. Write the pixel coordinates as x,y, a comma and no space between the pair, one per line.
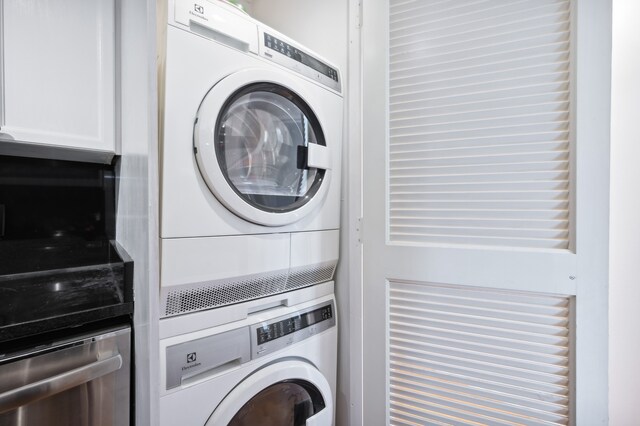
191,361
198,11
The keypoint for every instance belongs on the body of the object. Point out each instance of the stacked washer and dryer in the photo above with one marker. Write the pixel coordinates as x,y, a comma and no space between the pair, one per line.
250,208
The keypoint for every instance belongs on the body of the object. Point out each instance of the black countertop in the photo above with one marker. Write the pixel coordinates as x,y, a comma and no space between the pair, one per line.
46,285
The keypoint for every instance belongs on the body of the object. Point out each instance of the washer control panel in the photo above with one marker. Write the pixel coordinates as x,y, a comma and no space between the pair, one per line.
194,360
285,54
278,333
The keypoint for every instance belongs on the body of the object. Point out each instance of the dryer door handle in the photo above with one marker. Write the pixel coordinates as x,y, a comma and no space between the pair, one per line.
318,157
322,418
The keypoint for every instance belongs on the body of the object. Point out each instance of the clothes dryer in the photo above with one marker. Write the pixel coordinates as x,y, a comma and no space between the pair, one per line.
274,368
251,156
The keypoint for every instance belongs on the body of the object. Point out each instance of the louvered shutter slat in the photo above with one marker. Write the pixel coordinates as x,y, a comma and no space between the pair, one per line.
472,17
480,123
486,178
492,141
426,72
551,22
478,355
479,150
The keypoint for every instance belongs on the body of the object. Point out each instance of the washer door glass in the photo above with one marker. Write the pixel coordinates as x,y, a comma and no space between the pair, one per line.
261,141
287,403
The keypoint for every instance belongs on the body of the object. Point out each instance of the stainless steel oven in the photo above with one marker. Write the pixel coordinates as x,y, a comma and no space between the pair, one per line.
66,296
82,380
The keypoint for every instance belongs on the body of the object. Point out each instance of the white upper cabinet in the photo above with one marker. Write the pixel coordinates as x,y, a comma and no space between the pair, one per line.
58,77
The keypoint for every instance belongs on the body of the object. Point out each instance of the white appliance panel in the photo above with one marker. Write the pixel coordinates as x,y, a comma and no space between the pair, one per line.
212,257
218,23
189,209
196,398
182,324
195,260
310,248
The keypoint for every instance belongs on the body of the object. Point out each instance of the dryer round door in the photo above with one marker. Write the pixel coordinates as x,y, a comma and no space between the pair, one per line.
287,393
260,147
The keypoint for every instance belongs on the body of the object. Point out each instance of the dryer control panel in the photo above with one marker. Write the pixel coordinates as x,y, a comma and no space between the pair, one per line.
280,51
278,333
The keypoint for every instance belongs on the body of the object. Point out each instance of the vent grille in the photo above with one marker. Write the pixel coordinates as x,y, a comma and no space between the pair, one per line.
460,355
479,123
301,277
241,289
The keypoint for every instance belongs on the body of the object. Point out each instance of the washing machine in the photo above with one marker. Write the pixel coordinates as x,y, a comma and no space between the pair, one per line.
250,161
274,368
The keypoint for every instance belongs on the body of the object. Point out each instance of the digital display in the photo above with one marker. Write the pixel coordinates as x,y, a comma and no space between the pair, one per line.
290,325
286,49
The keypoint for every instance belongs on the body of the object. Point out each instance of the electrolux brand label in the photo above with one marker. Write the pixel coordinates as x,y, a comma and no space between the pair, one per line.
198,12
190,366
187,359
191,361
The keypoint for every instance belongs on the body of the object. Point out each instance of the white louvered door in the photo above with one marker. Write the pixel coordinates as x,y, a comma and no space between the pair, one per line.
485,159
479,123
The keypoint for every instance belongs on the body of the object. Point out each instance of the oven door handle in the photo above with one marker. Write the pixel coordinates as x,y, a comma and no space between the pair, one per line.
15,398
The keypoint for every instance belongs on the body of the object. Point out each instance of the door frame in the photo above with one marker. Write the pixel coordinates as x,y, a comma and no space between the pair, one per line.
352,231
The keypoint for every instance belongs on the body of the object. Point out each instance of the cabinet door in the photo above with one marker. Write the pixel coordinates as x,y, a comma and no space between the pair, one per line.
58,72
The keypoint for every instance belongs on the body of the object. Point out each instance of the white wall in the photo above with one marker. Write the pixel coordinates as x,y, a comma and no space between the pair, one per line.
322,27
624,275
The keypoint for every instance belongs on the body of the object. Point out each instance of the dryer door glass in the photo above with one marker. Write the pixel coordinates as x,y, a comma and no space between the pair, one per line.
262,136
287,403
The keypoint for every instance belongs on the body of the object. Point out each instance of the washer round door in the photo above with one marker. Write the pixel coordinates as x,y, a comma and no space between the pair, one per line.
288,393
261,149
